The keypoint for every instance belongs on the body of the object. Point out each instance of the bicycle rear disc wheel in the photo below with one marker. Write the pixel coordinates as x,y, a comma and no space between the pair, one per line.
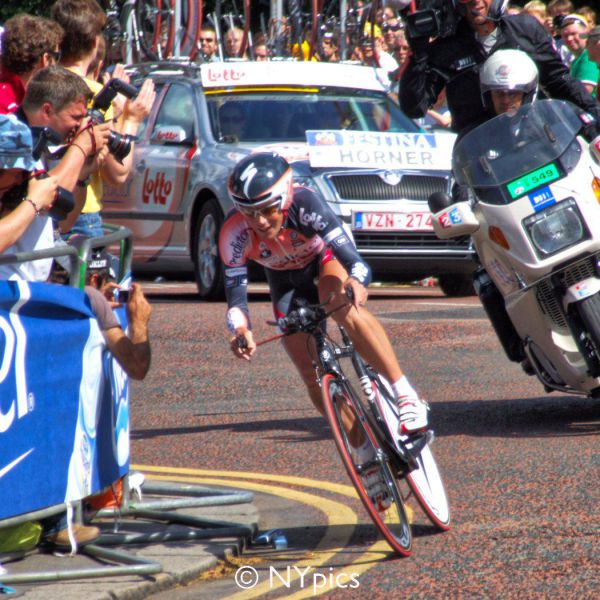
425,481
391,521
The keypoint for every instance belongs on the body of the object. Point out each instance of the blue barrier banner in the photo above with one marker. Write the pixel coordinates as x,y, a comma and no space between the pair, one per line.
64,402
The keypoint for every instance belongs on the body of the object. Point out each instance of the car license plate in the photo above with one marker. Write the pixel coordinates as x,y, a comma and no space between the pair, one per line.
392,221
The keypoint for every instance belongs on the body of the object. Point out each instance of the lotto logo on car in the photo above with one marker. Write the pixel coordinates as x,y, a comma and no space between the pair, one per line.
542,199
312,218
156,188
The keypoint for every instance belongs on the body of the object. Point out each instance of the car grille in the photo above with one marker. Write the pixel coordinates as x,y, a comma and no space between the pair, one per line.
407,241
372,187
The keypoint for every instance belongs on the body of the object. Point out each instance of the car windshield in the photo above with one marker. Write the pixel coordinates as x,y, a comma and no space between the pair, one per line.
261,117
511,145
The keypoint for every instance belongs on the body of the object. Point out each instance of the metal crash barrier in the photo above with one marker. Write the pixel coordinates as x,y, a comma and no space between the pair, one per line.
57,376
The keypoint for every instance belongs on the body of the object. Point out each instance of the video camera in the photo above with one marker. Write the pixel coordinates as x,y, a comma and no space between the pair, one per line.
433,18
119,145
64,201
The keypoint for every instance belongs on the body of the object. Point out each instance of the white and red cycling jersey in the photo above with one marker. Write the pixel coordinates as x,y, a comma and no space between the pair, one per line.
309,229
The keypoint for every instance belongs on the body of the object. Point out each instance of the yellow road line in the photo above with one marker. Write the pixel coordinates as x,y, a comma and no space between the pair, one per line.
339,516
336,488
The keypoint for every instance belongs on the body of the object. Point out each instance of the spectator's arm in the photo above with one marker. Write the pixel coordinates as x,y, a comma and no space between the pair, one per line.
40,193
134,113
133,352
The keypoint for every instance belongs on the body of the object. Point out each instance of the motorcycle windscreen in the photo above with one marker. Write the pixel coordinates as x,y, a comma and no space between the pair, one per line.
512,145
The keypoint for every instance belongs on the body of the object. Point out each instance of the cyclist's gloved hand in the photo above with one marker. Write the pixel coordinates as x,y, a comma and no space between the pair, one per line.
356,292
243,345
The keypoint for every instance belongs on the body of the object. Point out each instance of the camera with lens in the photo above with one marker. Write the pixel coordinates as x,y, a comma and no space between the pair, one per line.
431,19
119,145
63,202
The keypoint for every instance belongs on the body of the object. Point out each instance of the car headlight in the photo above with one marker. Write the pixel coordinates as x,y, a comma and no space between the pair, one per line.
556,228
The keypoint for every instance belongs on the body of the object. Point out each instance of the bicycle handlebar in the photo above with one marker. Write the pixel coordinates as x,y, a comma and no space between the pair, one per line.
304,319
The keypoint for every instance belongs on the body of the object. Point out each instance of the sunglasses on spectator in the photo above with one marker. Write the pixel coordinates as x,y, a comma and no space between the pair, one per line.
211,40
388,27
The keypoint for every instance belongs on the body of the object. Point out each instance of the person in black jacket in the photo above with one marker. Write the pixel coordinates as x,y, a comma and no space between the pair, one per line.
454,61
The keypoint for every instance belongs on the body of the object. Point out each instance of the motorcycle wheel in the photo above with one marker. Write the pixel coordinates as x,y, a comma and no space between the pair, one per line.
589,311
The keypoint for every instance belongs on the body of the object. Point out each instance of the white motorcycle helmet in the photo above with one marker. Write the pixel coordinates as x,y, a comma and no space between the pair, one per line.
510,70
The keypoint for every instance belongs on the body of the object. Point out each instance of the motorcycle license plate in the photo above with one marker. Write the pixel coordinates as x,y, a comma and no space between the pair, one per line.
392,221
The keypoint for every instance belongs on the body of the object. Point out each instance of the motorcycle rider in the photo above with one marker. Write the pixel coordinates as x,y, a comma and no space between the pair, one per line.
454,61
509,79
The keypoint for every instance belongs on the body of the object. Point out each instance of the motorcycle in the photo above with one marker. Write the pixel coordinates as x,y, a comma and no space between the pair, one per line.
533,211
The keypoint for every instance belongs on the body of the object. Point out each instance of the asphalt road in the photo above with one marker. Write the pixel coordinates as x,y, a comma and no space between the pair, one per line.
521,466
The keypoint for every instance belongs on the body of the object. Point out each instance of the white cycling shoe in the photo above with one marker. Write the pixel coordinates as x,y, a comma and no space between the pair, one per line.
372,478
413,417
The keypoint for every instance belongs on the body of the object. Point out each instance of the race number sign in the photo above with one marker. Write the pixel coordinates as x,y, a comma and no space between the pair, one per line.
365,149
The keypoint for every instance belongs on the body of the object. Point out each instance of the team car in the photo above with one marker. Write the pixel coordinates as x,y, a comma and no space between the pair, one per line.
337,126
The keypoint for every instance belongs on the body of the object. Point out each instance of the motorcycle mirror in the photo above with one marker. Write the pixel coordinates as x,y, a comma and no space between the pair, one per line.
438,201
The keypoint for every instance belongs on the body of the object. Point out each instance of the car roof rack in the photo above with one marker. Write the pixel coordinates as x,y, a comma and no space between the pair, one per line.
175,66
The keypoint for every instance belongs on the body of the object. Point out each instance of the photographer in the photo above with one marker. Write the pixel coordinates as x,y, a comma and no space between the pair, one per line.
131,350
24,224
451,54
83,22
57,99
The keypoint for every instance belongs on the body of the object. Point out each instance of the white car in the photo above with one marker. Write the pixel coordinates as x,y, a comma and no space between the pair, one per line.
208,116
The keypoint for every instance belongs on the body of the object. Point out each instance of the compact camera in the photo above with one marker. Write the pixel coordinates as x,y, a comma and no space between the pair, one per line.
122,296
431,19
119,145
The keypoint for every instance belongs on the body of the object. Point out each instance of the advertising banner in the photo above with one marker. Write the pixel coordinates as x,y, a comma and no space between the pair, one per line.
63,403
375,150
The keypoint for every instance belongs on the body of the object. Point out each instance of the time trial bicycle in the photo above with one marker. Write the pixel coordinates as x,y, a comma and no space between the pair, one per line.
403,464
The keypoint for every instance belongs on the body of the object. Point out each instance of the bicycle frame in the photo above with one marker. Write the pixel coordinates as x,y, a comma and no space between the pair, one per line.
329,354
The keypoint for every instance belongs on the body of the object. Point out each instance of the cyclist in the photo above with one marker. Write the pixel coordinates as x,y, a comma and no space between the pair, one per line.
296,236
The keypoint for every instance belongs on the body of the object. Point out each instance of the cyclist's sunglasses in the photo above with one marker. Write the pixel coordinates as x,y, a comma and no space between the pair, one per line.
255,213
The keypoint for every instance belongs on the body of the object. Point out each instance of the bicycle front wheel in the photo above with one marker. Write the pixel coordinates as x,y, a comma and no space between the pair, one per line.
382,500
156,28
425,481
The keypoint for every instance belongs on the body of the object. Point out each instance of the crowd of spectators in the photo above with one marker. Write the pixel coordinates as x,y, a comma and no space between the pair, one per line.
54,158
383,43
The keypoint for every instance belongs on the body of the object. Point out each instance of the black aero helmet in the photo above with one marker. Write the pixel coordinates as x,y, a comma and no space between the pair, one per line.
260,180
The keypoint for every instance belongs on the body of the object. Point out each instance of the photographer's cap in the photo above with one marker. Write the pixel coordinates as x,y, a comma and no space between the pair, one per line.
593,34
98,259
15,144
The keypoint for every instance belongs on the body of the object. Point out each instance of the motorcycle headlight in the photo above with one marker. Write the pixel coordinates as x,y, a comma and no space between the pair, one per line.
556,228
